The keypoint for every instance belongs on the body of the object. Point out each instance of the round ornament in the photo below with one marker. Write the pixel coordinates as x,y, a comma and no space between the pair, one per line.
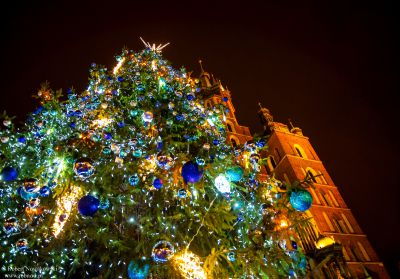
301,200
34,203
162,251
104,203
164,162
138,269
191,172
9,174
88,205
222,184
147,116
11,226
133,180
29,189
6,122
234,174
5,139
44,191
22,244
182,193
158,183
84,168
231,256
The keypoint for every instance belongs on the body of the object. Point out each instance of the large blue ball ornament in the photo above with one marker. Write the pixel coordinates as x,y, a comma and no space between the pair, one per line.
191,172
301,200
234,174
138,269
88,205
158,183
9,174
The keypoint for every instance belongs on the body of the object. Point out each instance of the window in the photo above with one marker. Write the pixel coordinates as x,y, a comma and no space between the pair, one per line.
346,256
278,155
364,252
333,198
207,104
273,164
229,127
234,141
316,199
328,221
347,223
311,176
321,177
300,151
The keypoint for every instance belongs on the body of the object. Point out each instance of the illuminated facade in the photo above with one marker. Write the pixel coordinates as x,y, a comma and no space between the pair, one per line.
335,243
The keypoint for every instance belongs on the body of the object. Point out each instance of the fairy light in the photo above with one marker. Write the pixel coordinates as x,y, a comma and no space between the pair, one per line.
64,207
189,265
118,66
102,122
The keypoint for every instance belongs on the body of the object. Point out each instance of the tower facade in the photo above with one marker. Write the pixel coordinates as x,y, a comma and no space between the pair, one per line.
291,157
334,242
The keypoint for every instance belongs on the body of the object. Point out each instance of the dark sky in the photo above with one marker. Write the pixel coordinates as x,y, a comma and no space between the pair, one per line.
332,68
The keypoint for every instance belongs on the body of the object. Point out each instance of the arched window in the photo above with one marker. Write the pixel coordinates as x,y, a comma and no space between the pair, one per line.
207,104
234,141
312,174
300,151
271,163
229,127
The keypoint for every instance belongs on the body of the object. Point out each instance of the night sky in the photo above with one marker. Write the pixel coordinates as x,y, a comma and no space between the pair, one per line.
333,69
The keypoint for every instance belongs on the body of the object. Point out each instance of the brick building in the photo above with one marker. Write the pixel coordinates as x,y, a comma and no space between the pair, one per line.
335,243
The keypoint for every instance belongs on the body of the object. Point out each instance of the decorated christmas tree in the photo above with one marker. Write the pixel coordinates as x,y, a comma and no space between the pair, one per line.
133,178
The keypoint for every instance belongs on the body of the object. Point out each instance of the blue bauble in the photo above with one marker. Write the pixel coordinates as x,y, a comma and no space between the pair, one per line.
191,172
138,269
182,193
231,256
22,139
216,142
234,174
104,204
294,245
107,136
301,200
88,205
44,191
162,251
157,183
133,180
83,167
9,174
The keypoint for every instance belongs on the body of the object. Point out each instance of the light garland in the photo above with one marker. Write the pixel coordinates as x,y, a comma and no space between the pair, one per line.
189,265
65,205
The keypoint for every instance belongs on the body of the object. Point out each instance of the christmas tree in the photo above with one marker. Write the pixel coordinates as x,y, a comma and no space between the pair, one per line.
133,178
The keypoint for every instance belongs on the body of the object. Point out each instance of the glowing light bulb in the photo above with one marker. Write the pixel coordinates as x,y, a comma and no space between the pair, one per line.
222,184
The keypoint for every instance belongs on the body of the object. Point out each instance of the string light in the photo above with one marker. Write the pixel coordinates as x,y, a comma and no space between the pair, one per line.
189,265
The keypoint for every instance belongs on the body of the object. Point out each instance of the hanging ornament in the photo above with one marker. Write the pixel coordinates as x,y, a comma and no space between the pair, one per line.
162,251
29,189
189,265
44,191
182,193
191,172
104,203
88,205
164,162
231,256
301,200
84,168
34,203
147,116
4,139
138,269
9,174
158,183
22,244
6,122
222,184
206,146
133,180
234,174
11,226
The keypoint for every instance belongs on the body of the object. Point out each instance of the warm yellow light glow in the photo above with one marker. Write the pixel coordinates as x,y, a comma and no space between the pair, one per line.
102,122
64,207
116,68
189,265
284,223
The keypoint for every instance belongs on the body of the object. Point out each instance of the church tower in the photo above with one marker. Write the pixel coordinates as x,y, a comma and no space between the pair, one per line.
291,157
214,93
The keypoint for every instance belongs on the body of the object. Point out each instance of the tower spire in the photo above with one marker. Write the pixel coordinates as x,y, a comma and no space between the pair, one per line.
265,117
